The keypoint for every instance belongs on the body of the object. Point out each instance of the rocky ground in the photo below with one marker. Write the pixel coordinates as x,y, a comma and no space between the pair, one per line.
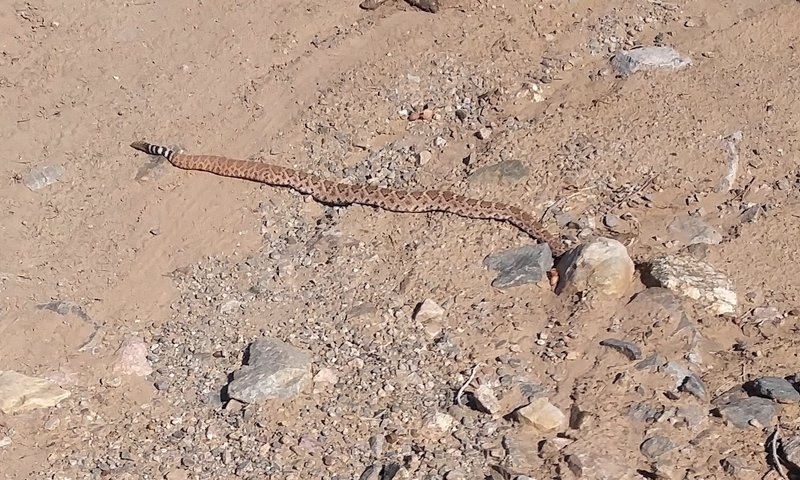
164,324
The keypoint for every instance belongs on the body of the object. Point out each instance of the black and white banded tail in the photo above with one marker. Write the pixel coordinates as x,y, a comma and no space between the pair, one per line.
151,149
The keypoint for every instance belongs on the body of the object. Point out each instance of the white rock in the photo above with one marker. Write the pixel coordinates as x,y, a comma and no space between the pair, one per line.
21,393
542,415
428,310
692,278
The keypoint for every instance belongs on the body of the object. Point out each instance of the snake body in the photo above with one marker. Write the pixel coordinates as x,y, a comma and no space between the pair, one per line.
339,194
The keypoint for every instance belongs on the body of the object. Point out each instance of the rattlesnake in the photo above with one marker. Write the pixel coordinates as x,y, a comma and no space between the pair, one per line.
337,193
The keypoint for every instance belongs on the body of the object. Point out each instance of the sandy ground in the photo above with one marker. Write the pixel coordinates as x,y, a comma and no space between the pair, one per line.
322,86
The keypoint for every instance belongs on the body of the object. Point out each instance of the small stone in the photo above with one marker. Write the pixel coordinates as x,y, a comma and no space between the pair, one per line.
455,475
600,267
486,400
484,133
274,370
588,466
690,23
648,58
776,388
521,452
21,393
428,310
735,467
505,171
439,142
611,221
376,443
542,415
230,306
372,472
427,114
5,441
131,357
656,446
631,351
747,412
695,279
765,314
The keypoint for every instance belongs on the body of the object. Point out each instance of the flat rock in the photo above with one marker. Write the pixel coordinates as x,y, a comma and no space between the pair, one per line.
21,393
694,279
522,453
274,370
656,446
790,448
595,467
486,400
750,411
600,267
428,310
505,171
627,62
693,231
776,388
542,415
518,266
630,350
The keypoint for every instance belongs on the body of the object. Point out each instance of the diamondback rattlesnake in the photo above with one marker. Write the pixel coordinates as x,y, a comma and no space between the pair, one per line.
337,193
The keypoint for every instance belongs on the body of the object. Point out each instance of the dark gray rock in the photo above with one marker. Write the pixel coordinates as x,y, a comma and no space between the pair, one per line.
274,370
776,388
750,411
518,266
631,351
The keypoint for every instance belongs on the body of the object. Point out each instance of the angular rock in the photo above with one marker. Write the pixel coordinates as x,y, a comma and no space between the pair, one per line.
750,411
776,388
600,267
522,453
587,466
505,171
648,58
542,415
486,400
695,279
631,351
518,266
131,357
790,450
428,310
274,370
21,393
436,425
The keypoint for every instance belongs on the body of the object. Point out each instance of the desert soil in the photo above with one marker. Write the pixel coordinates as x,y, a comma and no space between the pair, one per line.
523,106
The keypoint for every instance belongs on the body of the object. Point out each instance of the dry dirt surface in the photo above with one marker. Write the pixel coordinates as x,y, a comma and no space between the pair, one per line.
139,289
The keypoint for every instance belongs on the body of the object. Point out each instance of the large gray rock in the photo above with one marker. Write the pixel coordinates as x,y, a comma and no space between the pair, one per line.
274,370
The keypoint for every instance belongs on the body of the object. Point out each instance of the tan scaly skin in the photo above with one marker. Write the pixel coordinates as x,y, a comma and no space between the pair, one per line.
337,193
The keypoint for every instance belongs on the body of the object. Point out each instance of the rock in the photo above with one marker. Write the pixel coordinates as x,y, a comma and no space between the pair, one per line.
518,266
542,415
656,446
21,393
274,370
751,411
522,452
692,231
436,425
505,171
765,314
735,467
588,466
790,448
5,441
776,388
484,133
428,310
131,357
631,351
648,58
424,157
40,177
430,6
326,375
485,399
685,379
695,279
601,267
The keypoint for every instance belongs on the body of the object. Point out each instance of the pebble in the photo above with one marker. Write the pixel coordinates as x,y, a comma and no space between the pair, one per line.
631,351
694,279
274,370
775,388
542,415
326,375
436,425
751,411
601,267
424,157
131,357
521,265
